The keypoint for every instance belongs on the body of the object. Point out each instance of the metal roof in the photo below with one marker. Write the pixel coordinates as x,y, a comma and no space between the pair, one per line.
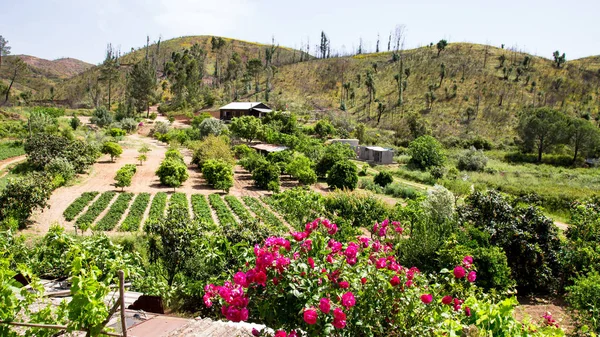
269,147
377,148
240,105
263,110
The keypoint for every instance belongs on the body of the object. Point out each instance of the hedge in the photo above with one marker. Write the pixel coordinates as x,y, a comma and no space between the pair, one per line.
78,205
115,213
136,213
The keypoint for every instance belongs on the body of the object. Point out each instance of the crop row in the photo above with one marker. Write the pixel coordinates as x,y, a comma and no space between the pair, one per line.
136,213
239,209
179,199
225,216
115,213
87,219
201,209
157,208
263,213
78,205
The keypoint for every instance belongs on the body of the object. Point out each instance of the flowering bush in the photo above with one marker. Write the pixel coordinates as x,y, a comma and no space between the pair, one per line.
320,286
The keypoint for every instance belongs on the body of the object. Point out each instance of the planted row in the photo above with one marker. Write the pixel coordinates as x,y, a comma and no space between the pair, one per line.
263,213
136,213
115,213
225,216
239,209
157,208
95,209
179,199
78,205
202,209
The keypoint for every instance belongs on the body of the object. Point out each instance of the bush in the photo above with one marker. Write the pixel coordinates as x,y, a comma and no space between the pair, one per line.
266,176
426,152
298,205
324,129
129,124
357,208
124,175
224,215
584,298
157,208
437,172
201,209
42,148
266,216
242,151
160,128
472,160
61,167
172,173
246,127
439,204
383,178
211,148
75,123
219,174
116,132
333,154
211,126
343,175
102,117
112,149
398,190
153,115
301,168
251,162
21,196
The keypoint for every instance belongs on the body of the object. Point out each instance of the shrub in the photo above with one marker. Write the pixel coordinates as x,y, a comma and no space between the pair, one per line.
174,154
301,168
358,208
124,175
102,117
211,126
472,160
78,205
211,148
218,174
297,205
439,204
251,162
153,115
398,190
75,123
333,154
115,213
239,210
129,124
383,178
199,119
160,128
172,173
265,174
179,200
114,150
246,127
243,151
343,175
116,132
21,196
61,167
584,298
426,152
42,148
136,213
324,129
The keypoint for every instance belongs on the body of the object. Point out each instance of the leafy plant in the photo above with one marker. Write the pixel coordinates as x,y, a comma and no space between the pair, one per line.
383,178
172,173
202,211
426,152
218,173
78,205
136,213
343,175
179,200
115,213
23,195
224,215
472,160
124,176
263,213
266,176
112,149
157,208
95,209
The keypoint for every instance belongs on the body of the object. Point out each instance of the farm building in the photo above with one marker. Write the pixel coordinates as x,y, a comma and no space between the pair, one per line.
376,154
265,149
239,109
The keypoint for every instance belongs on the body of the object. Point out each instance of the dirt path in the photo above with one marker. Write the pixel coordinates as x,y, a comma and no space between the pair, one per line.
9,161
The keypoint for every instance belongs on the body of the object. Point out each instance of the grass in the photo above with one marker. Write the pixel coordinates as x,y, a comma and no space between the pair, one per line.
11,149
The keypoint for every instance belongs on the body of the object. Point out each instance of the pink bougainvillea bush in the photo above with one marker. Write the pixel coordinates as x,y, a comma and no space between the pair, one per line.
312,284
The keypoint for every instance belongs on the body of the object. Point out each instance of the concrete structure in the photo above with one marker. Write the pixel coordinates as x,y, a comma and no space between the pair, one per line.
352,142
376,154
265,149
239,109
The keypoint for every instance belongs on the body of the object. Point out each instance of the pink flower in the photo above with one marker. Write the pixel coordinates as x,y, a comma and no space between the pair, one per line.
376,246
299,236
293,334
472,276
394,266
325,305
255,332
351,250
426,298
330,258
296,255
261,278
310,316
363,280
348,300
240,279
409,283
334,246
467,311
311,263
235,314
382,231
339,318
344,285
280,333
395,281
351,261
375,227
459,272
332,229
207,301
381,263
447,299
306,246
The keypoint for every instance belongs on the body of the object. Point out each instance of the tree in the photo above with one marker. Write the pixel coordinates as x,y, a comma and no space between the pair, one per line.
383,178
343,175
170,240
441,45
426,152
472,160
199,119
301,168
143,150
18,69
211,126
124,176
583,136
22,196
42,148
109,71
142,85
211,147
540,129
102,117
245,127
217,44
334,153
172,173
142,158
370,84
324,129
112,149
559,60
4,48
254,68
218,173
266,176
75,122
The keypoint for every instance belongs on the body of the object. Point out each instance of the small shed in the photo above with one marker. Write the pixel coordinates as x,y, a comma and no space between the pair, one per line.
265,149
239,109
376,154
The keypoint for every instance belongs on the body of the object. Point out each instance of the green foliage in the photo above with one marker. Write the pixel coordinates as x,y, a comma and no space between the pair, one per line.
301,168
218,173
136,213
282,121
23,195
241,151
202,212
540,129
11,149
584,297
266,176
43,148
383,178
357,208
78,205
199,119
298,205
170,240
115,213
472,160
333,154
246,127
343,175
211,148
439,204
41,122
61,167
116,132
75,123
238,208
426,152
252,161
324,129
88,218
157,208
264,214
102,117
224,215
212,127
173,154
112,149
172,173
124,175
142,85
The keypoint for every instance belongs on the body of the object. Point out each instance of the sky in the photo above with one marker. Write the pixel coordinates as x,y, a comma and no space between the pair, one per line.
81,29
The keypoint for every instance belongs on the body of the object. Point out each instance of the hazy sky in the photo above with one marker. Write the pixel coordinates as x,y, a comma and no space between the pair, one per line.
81,28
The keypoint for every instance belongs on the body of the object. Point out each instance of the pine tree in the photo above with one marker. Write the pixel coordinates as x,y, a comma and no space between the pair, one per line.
109,70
